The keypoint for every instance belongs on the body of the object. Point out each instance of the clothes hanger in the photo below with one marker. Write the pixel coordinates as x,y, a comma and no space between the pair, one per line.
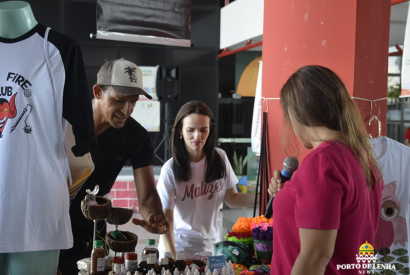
264,99
374,117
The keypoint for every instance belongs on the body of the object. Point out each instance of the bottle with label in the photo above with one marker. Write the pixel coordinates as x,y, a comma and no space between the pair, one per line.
152,264
171,262
131,262
98,258
180,264
151,249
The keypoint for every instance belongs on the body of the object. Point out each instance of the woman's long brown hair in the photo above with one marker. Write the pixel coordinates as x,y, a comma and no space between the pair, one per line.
315,96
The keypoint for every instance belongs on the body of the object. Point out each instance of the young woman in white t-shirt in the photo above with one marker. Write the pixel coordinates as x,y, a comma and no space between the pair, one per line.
194,183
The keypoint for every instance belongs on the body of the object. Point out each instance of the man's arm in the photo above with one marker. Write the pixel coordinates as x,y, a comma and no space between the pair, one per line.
150,205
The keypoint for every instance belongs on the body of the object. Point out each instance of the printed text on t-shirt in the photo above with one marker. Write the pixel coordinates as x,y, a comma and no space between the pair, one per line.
203,190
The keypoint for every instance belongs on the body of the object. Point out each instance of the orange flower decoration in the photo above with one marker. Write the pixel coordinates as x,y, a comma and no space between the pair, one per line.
243,224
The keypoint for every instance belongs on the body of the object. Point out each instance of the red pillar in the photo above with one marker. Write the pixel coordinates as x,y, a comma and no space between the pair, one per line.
349,37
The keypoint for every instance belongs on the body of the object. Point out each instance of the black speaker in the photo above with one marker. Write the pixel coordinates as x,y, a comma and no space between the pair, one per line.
168,84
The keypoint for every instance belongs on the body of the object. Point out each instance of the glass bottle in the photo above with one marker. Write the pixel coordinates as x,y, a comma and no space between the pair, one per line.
98,258
152,264
171,262
180,262
164,264
151,249
142,267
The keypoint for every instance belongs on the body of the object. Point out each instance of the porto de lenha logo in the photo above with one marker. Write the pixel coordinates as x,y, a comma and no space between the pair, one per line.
366,260
366,254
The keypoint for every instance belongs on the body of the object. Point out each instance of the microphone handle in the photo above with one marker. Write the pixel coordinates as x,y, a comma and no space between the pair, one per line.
268,211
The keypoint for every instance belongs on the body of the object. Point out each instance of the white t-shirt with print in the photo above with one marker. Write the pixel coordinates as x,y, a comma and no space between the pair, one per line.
195,204
34,171
391,241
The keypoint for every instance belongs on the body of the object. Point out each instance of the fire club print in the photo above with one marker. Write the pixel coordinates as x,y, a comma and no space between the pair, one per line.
7,110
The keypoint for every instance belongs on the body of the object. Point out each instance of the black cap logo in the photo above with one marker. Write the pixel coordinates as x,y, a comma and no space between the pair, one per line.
131,72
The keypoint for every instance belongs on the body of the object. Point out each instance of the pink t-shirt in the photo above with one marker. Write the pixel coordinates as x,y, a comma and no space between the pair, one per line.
328,191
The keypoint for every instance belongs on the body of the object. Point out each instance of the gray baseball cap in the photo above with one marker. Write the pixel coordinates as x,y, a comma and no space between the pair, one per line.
124,76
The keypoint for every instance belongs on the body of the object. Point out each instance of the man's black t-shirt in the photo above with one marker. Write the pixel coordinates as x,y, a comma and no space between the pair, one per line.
115,147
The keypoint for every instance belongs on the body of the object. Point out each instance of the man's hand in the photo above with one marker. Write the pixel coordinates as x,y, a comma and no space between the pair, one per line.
158,220
150,205
156,223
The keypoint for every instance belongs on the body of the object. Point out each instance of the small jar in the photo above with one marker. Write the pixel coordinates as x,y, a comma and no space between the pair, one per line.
152,264
164,264
118,259
180,264
131,262
171,262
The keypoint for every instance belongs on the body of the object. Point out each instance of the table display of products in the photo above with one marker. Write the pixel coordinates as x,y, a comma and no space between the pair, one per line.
247,250
148,266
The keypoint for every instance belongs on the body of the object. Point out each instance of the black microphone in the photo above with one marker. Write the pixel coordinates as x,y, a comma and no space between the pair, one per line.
289,166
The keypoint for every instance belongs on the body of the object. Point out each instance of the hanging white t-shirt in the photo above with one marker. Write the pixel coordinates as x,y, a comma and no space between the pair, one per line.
391,241
34,200
195,204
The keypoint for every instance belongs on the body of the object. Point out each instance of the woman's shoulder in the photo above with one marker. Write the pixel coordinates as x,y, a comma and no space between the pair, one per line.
334,151
222,154
167,174
167,167
220,151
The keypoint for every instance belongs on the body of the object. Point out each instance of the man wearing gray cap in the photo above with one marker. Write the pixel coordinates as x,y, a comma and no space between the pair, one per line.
120,138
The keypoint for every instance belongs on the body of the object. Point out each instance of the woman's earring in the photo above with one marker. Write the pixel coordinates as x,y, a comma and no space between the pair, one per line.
180,137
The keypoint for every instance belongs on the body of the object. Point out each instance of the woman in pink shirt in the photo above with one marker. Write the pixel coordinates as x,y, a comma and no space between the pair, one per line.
331,206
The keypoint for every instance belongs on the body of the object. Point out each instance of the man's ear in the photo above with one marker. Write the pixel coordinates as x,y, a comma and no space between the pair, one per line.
97,91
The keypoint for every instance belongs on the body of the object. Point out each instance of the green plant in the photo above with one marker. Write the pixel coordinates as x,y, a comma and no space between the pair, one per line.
239,164
393,92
